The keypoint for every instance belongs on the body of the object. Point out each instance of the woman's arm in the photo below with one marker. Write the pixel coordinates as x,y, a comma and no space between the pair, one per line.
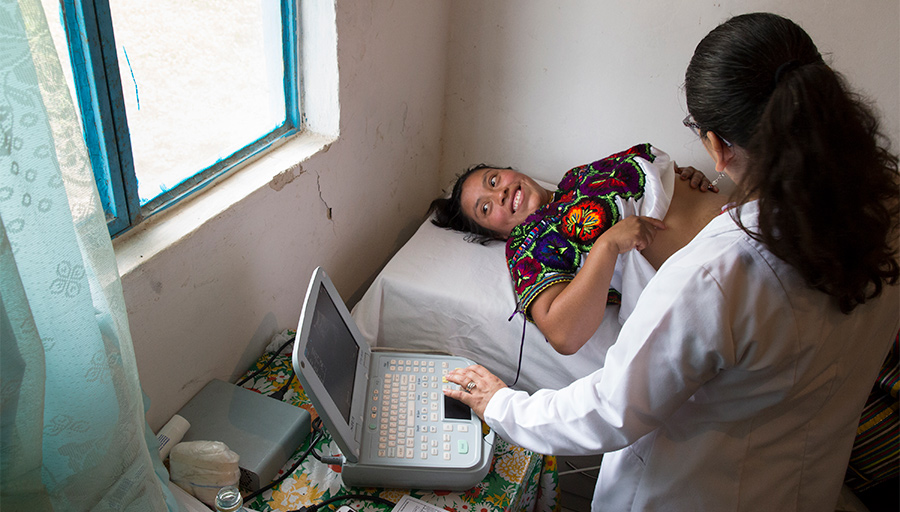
569,313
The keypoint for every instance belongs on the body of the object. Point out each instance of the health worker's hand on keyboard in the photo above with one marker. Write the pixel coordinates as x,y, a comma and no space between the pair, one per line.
477,386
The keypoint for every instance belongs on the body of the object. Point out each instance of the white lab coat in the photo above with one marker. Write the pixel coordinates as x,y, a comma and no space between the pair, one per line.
732,386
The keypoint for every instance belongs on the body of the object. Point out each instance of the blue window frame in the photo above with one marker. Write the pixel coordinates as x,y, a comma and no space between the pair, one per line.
95,67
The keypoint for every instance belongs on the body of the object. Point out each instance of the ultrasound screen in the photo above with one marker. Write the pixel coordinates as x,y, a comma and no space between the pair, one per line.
332,352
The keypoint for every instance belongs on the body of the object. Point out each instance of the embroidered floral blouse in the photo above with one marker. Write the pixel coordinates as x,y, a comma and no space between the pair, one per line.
549,247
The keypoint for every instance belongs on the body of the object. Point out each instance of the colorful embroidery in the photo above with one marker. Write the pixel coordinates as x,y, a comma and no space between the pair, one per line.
526,272
555,251
585,220
552,242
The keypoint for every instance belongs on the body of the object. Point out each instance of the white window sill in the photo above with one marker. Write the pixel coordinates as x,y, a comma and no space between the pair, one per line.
276,168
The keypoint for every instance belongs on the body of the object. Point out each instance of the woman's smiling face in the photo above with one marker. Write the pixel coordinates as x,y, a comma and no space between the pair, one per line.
501,199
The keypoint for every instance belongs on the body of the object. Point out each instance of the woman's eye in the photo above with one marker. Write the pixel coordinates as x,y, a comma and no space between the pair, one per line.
494,181
484,208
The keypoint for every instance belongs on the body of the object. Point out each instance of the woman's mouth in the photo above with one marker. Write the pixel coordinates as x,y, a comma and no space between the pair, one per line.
516,200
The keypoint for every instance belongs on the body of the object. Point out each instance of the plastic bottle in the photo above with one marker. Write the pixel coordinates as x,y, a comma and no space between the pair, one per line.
229,499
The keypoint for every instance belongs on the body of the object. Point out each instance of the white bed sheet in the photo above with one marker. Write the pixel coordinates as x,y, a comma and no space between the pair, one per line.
440,292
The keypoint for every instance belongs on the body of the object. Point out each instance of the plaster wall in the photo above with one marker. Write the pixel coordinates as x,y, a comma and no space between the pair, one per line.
546,86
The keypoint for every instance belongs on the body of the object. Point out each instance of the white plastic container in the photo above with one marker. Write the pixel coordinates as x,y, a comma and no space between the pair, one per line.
203,467
171,434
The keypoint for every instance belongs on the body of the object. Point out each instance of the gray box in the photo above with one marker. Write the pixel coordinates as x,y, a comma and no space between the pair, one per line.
264,431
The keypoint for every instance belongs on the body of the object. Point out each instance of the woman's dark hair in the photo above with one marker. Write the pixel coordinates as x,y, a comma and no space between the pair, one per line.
448,211
818,163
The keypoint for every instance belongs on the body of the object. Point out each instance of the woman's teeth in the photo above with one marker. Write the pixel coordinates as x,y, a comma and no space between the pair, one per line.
516,200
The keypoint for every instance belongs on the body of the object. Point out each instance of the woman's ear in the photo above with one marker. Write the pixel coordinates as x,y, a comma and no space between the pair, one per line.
718,150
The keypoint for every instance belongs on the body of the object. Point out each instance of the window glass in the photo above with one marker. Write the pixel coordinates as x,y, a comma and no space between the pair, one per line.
201,79
192,89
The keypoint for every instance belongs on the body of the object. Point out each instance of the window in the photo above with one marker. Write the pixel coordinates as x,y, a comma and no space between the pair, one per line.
173,94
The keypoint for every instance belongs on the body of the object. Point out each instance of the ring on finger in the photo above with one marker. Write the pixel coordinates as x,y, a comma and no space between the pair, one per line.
470,386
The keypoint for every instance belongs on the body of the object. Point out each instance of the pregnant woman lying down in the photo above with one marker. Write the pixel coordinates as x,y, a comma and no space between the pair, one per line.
596,240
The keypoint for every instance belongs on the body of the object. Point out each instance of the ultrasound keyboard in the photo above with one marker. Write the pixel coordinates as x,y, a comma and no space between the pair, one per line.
410,421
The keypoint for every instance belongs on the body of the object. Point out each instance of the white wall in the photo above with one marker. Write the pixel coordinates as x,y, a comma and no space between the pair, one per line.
207,305
546,86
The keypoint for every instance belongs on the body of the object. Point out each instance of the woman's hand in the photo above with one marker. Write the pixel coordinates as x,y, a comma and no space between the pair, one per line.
698,179
635,232
568,314
478,386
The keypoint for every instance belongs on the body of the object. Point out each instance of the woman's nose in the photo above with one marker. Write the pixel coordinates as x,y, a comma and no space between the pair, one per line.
501,195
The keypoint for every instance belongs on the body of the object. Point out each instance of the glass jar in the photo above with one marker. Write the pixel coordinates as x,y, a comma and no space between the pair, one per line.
229,499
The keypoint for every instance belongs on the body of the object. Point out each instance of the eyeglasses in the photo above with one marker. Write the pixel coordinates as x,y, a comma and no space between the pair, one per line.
690,123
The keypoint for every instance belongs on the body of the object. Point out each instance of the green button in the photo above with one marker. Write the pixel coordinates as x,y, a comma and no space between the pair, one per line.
462,446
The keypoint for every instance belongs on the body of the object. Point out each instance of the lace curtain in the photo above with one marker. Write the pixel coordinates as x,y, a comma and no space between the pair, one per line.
72,416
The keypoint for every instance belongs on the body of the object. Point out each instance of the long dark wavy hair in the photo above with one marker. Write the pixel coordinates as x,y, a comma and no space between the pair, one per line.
826,181
448,211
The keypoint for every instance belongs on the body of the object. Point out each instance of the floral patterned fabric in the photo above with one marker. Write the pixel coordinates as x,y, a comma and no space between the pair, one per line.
550,245
518,479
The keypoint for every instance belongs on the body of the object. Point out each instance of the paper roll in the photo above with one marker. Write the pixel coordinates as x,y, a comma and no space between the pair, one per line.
171,434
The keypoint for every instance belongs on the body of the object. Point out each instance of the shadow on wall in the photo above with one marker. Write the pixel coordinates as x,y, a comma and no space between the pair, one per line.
402,237
267,328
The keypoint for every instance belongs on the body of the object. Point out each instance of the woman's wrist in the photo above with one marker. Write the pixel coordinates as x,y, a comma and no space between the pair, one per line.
605,246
